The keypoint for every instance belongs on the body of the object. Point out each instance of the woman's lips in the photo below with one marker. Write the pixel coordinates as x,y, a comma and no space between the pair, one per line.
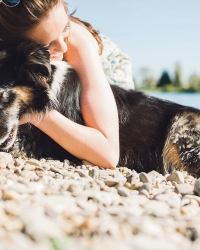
57,57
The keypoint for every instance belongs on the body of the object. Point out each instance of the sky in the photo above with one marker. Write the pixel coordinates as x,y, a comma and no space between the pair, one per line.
156,34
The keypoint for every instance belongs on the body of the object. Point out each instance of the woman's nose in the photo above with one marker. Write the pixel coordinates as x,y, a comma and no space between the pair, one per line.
60,45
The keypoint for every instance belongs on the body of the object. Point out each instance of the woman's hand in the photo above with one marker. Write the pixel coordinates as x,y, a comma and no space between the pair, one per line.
33,118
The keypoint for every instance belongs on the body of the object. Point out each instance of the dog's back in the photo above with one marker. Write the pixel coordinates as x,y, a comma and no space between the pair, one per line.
156,134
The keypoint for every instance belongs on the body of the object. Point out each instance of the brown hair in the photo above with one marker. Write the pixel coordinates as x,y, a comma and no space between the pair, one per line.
91,29
16,22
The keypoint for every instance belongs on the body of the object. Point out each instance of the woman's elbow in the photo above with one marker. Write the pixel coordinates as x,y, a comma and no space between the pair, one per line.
111,160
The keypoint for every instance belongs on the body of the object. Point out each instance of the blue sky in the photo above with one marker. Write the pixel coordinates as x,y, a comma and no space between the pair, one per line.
156,34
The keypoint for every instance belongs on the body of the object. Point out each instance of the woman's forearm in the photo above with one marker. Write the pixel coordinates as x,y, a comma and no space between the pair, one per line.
96,100
83,142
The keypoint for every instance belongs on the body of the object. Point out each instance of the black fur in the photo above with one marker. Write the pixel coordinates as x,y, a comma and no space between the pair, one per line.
154,134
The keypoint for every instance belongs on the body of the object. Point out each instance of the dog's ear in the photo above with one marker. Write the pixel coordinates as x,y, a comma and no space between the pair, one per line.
32,63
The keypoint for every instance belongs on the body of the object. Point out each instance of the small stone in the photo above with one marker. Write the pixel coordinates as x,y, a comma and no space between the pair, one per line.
22,180
144,192
12,208
30,175
29,167
2,179
33,162
190,210
89,207
127,185
177,177
40,227
5,159
136,186
46,167
81,173
84,162
56,170
157,208
94,173
184,189
115,181
197,186
10,195
194,197
3,162
34,187
58,176
11,165
19,188
39,171
145,178
194,202
145,186
185,201
122,191
75,188
130,178
19,162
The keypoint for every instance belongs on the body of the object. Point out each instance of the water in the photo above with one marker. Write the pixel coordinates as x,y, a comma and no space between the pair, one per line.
188,99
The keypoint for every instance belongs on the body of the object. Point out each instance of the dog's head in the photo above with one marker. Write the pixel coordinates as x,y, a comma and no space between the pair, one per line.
24,74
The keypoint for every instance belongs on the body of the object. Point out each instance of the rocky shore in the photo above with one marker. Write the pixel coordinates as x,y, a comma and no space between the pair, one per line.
52,205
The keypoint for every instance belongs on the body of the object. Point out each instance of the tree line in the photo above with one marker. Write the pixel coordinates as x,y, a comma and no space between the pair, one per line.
167,83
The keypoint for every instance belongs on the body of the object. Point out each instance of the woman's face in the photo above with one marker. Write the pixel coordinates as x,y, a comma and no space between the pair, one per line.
53,31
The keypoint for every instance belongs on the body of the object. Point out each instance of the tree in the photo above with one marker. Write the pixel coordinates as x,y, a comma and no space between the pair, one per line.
194,83
147,80
177,82
164,79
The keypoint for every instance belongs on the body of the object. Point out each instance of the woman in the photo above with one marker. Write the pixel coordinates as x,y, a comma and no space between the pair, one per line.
48,22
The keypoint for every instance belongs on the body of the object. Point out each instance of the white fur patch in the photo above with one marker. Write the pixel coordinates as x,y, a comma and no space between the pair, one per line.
58,77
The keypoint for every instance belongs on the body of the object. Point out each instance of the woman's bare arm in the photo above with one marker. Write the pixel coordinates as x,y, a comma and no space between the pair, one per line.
98,141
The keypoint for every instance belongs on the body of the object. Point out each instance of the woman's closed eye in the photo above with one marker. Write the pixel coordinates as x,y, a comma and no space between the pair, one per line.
66,29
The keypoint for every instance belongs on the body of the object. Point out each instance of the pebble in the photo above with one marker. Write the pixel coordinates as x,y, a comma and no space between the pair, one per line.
184,189
5,159
145,178
176,177
49,204
145,186
123,192
33,162
114,181
29,175
197,186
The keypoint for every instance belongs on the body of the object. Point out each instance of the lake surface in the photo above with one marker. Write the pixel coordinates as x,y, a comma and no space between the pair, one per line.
189,99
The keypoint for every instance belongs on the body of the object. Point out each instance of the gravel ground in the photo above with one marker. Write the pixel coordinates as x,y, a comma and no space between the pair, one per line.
52,205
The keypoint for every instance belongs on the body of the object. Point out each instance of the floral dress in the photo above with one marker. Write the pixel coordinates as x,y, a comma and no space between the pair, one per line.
116,64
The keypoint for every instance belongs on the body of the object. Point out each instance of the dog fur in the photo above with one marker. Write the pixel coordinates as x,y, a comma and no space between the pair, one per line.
154,134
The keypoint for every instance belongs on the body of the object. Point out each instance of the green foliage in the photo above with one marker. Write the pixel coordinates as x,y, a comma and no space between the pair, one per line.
60,244
164,79
148,81
165,84
177,82
194,82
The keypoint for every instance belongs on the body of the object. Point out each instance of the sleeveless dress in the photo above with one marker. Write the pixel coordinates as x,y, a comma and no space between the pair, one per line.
116,64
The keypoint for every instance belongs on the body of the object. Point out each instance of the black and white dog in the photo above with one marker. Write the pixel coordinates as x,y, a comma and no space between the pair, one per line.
154,134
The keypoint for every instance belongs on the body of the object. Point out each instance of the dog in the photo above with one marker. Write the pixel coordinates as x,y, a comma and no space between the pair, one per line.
154,134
